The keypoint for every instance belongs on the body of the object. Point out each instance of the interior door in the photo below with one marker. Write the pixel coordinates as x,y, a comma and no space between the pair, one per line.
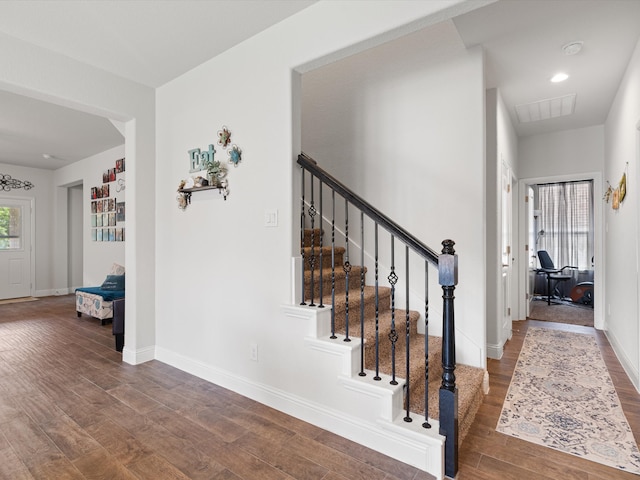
15,248
506,251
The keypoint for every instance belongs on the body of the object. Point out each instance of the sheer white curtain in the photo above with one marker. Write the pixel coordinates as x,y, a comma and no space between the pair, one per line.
567,221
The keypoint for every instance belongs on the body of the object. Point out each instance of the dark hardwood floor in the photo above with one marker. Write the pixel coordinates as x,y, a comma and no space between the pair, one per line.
69,408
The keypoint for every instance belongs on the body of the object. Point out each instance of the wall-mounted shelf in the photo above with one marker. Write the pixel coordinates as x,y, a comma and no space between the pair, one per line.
188,191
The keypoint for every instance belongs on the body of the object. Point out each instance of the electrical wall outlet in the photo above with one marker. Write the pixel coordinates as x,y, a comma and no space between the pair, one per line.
253,352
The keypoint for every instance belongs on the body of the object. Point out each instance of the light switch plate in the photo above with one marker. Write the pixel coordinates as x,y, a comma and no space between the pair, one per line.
271,218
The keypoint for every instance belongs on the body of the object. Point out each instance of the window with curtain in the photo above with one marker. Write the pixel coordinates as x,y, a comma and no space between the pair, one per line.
567,222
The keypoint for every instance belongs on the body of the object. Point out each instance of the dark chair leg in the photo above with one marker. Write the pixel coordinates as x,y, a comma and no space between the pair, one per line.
119,341
548,290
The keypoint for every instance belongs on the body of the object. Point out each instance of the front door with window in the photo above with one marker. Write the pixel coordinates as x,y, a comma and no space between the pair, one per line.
15,248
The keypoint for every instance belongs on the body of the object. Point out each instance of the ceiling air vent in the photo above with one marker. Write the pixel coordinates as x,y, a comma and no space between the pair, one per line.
545,109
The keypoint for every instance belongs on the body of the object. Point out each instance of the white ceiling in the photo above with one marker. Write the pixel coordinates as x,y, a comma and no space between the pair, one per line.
523,42
153,42
149,42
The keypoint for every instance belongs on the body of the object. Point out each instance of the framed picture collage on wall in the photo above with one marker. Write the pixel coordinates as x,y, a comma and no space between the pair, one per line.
107,213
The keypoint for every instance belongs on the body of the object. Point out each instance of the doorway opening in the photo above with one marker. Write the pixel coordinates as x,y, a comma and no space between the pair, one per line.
562,234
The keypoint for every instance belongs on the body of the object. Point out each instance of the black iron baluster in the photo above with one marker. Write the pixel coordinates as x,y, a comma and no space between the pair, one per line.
362,373
347,267
321,269
407,418
393,334
426,423
377,377
333,264
312,257
302,302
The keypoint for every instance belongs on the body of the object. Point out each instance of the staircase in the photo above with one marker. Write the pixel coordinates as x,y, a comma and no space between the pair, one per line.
469,380
387,377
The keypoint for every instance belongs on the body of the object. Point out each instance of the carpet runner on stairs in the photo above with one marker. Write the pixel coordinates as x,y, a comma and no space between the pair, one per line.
468,379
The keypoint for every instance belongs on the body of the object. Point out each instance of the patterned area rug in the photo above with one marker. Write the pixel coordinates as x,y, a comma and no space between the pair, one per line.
561,396
564,312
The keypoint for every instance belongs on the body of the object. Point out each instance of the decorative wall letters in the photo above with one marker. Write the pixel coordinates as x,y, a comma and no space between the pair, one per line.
199,160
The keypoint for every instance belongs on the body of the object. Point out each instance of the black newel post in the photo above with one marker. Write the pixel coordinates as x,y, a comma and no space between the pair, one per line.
448,279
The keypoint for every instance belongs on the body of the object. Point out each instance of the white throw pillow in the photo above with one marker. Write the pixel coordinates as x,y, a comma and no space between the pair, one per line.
116,269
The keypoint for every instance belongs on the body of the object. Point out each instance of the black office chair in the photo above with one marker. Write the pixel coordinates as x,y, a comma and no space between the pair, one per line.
553,274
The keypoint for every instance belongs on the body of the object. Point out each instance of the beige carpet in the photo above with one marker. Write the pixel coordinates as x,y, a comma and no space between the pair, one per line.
18,300
561,396
564,312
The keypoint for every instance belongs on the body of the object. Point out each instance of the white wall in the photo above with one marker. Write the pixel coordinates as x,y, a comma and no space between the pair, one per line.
502,147
42,195
382,124
622,145
561,153
97,256
222,276
76,85
75,248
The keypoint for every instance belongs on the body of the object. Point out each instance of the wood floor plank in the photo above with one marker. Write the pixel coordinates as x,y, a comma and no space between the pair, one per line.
368,456
214,420
226,475
120,444
39,407
186,429
58,469
156,467
132,397
9,409
11,466
247,466
69,437
29,442
181,453
100,465
334,459
281,458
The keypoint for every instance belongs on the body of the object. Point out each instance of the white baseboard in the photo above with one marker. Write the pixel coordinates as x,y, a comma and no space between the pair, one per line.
495,351
136,357
53,292
627,365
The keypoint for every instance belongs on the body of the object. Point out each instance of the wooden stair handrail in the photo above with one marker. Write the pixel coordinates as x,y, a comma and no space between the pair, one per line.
376,215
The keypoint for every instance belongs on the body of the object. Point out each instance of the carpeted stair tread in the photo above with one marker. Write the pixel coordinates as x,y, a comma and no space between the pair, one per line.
316,233
469,380
416,347
340,305
338,257
340,281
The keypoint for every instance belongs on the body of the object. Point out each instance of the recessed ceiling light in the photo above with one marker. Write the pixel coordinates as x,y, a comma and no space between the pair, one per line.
572,48
47,156
559,77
